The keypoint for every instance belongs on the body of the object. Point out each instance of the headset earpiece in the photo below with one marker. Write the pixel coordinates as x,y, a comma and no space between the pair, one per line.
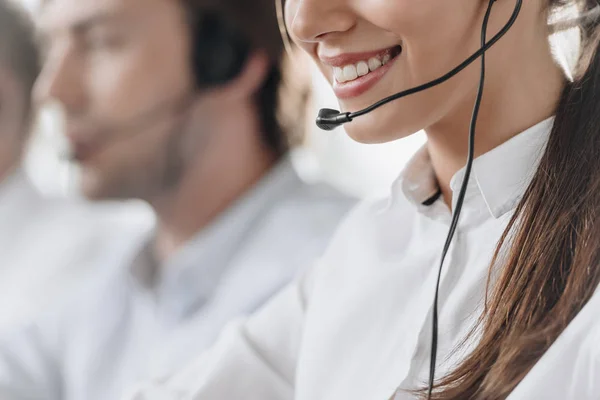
219,51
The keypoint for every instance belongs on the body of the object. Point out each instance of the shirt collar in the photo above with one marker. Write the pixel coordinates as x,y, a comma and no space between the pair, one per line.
189,277
417,182
499,177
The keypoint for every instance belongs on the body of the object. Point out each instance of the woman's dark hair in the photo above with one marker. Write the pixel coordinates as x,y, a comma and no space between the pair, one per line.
547,265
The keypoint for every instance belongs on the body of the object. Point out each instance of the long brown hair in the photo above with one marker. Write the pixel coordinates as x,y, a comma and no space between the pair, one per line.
549,256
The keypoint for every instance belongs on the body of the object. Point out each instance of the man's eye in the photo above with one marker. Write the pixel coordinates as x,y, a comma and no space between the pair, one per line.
103,41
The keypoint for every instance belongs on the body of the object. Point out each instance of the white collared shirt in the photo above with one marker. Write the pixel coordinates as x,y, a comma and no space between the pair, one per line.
139,320
358,326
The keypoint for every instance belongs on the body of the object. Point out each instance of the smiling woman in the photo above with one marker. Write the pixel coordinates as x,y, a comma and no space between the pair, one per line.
487,380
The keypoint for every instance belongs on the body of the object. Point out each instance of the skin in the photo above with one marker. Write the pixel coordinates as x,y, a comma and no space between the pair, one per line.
523,82
120,70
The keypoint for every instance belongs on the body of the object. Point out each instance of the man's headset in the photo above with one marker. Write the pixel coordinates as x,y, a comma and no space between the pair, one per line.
219,52
330,119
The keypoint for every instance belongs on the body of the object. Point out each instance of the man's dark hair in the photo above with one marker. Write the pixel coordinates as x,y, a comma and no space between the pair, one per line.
282,124
18,48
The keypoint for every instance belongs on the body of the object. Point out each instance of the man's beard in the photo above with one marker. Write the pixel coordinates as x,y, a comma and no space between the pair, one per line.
152,177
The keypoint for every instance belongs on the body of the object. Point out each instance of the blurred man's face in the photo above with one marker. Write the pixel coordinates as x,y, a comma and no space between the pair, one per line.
120,69
13,125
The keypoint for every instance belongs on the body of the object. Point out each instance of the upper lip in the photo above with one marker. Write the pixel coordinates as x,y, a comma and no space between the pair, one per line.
341,60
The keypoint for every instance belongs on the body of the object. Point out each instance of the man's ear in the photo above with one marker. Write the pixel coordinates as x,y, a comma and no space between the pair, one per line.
250,78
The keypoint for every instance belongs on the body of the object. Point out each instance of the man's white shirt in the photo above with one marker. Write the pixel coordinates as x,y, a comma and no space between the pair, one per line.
45,244
138,320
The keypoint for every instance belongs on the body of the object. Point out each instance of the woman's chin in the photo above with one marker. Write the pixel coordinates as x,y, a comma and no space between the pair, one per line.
368,129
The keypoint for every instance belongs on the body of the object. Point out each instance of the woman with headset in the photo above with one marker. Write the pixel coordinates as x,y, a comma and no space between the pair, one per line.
508,247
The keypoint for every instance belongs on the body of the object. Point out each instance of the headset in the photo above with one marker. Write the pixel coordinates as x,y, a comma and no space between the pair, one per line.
329,119
219,52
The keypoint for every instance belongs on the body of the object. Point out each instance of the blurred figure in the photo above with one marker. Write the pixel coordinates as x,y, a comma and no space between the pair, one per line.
42,241
176,103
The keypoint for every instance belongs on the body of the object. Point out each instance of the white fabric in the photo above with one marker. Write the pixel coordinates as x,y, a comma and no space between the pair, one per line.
43,243
358,325
138,320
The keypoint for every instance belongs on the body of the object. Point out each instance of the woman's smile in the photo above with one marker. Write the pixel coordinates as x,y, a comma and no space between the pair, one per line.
355,73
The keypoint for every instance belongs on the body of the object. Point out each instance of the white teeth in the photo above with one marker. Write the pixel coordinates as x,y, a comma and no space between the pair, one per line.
374,63
339,74
362,68
350,73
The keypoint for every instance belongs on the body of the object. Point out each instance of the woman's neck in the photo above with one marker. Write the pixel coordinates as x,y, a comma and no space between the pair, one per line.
517,95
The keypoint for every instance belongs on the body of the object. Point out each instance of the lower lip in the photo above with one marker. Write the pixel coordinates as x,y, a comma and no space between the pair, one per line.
357,87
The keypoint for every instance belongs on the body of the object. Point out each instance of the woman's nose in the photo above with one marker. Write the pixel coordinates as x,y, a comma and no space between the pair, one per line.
311,20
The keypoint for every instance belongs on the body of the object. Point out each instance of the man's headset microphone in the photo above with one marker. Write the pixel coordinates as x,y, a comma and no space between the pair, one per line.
219,51
329,119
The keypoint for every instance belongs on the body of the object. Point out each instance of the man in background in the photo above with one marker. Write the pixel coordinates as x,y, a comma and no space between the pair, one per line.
175,102
43,241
